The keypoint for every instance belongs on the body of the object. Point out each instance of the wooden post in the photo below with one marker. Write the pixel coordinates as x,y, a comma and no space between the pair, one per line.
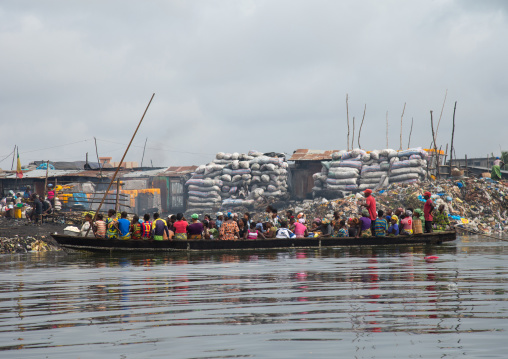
347,114
410,132
353,137
453,133
117,206
143,157
46,180
488,162
120,164
13,157
401,117
98,161
435,145
465,156
445,155
361,125
441,115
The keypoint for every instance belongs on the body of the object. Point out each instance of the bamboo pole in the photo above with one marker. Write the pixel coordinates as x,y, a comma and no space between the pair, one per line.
453,133
46,180
143,157
13,156
441,115
117,193
347,115
361,125
353,137
410,132
435,145
120,164
97,153
401,117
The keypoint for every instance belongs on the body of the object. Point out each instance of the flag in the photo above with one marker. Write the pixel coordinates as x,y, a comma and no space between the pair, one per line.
19,172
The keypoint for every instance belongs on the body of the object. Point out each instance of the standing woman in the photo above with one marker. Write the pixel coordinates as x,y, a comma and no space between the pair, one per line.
229,230
180,227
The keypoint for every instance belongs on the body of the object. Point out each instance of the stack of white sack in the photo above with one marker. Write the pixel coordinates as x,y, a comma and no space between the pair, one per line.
241,179
342,173
359,170
408,166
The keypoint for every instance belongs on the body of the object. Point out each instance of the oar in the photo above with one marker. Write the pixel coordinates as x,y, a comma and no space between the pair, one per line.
481,234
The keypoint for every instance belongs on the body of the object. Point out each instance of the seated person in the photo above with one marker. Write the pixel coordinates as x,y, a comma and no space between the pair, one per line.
406,223
86,229
364,225
283,232
393,230
253,233
380,225
342,229
124,226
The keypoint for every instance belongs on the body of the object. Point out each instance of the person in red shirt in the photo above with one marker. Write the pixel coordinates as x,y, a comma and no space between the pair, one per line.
370,204
427,212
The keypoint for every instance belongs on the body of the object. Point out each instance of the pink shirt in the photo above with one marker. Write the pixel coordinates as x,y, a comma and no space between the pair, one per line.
407,223
300,229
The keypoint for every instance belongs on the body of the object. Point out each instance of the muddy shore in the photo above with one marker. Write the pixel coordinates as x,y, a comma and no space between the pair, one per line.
21,236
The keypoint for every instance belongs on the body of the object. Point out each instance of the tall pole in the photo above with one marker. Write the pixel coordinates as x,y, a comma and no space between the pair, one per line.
353,137
13,156
144,147
97,153
441,115
347,115
401,117
46,180
453,133
410,132
117,207
120,163
361,125
435,145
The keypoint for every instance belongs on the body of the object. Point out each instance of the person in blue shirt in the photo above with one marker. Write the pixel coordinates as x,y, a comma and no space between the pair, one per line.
124,226
394,227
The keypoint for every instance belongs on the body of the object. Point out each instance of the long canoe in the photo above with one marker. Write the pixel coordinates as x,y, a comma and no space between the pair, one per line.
94,244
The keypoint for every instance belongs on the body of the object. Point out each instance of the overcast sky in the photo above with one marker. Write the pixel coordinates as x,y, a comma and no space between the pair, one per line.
236,75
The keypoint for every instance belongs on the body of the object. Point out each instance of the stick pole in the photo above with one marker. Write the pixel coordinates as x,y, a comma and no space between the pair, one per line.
347,115
410,132
441,115
453,133
97,153
353,137
13,156
435,145
120,164
361,125
144,147
401,117
46,180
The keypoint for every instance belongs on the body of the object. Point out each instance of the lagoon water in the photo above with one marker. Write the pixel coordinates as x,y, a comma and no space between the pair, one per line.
341,302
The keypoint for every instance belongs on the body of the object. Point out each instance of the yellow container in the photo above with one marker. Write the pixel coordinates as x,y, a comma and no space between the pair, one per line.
17,212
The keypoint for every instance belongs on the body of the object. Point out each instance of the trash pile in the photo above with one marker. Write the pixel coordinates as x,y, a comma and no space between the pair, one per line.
358,170
480,205
238,179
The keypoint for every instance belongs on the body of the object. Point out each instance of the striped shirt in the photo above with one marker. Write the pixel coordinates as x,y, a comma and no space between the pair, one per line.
380,227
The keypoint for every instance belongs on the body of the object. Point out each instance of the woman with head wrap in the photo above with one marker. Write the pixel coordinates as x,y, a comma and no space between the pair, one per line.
394,227
418,221
364,224
229,230
326,228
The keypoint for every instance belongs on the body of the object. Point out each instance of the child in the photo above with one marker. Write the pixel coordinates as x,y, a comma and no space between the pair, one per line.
343,231
352,227
380,225
100,226
146,227
253,233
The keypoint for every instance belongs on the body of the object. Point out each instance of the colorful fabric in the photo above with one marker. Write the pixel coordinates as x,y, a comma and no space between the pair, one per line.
393,229
342,232
365,223
181,236
367,233
495,174
283,233
136,231
380,227
252,234
300,229
214,233
158,238
180,226
111,229
195,236
228,230
160,227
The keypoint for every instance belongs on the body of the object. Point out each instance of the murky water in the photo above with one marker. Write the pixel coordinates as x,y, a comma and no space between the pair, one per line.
350,303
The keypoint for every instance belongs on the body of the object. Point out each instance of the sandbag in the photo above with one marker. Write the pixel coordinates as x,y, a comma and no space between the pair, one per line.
204,189
343,181
404,177
204,194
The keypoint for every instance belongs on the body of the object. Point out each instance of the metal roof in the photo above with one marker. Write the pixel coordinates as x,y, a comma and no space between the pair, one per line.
304,154
177,171
40,173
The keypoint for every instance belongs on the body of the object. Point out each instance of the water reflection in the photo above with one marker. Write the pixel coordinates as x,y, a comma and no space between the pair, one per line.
234,304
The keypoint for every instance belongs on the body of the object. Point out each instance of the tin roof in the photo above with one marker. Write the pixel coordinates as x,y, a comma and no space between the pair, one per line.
304,154
178,170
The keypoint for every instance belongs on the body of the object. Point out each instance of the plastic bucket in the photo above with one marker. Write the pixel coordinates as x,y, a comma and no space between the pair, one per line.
17,212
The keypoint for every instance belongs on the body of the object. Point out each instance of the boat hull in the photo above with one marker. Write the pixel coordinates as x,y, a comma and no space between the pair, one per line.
94,244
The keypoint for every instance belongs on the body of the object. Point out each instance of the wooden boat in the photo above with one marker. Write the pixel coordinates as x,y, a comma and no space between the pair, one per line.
94,244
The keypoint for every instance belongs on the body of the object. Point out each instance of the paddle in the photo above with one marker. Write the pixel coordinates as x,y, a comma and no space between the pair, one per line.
481,234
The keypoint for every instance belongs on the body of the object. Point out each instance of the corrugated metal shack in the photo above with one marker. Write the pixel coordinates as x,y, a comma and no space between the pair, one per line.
171,183
305,163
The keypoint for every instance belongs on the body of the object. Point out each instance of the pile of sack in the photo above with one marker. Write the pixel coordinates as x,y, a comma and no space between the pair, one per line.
358,170
238,179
